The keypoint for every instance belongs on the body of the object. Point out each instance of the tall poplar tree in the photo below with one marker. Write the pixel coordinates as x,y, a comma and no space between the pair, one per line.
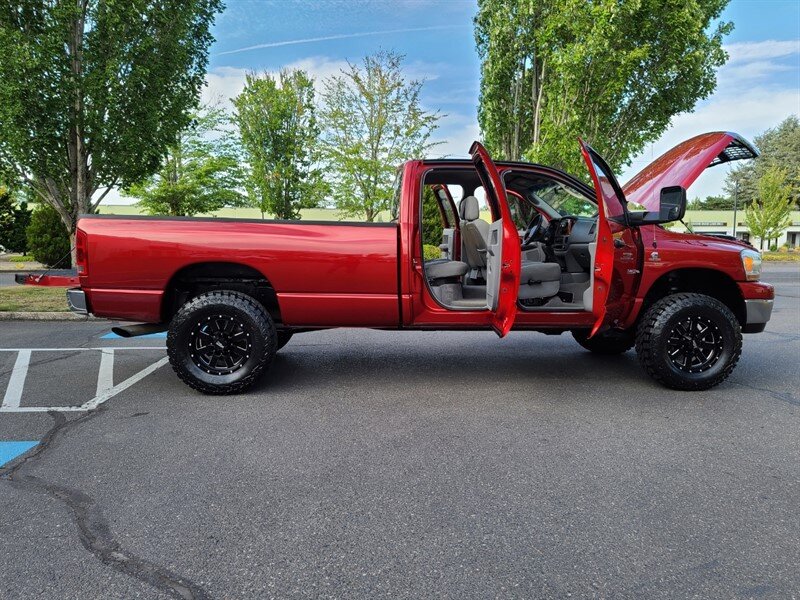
92,92
612,72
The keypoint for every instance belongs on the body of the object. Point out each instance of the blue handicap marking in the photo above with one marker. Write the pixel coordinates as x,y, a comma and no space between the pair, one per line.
113,336
11,450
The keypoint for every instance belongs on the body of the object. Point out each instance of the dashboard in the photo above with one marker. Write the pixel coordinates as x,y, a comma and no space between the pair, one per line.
570,238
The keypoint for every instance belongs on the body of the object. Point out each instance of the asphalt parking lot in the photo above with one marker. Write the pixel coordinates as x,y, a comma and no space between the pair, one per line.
398,464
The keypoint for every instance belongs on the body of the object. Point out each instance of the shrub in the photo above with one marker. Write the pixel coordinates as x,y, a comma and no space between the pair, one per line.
48,239
14,219
431,252
773,248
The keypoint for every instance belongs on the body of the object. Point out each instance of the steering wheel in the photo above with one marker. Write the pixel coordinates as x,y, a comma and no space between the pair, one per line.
534,228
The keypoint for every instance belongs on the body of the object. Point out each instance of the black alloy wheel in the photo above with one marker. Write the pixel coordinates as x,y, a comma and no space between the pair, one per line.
220,345
689,341
221,342
695,344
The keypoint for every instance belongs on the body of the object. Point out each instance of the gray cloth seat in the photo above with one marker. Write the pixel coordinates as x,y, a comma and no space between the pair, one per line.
474,235
539,280
446,269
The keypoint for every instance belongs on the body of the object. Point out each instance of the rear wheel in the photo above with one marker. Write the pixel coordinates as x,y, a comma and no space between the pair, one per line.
221,342
689,341
608,342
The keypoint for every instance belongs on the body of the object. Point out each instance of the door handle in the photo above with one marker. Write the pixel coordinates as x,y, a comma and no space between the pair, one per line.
619,243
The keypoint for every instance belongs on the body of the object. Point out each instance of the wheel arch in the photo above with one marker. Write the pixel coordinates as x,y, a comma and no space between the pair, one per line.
711,282
197,278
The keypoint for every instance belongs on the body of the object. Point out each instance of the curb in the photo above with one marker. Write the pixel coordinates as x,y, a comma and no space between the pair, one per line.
46,316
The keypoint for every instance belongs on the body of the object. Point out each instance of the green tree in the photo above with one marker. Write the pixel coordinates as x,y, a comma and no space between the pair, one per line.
48,241
200,173
712,203
372,120
768,216
612,72
93,91
779,147
14,220
278,129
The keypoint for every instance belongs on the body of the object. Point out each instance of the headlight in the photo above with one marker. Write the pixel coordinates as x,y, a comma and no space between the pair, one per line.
751,262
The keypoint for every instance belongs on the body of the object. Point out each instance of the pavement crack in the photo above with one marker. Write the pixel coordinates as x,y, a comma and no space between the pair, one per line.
782,396
93,528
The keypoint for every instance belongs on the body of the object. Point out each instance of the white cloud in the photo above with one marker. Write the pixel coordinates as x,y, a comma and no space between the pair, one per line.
224,83
457,132
749,51
339,36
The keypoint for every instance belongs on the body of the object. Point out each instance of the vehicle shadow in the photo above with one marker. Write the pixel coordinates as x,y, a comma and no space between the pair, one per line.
476,361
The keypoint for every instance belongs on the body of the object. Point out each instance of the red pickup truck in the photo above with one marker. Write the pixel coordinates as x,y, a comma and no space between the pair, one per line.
557,256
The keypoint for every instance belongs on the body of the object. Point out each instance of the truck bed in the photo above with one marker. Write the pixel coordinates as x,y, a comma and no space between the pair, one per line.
323,273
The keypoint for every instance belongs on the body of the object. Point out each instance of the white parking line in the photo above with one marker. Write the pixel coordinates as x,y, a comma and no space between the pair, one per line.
82,349
105,376
121,387
17,382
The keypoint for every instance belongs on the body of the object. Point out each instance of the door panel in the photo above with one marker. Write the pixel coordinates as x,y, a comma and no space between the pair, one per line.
610,210
494,257
504,278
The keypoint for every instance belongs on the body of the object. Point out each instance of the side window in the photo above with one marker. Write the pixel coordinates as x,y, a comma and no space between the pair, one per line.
609,188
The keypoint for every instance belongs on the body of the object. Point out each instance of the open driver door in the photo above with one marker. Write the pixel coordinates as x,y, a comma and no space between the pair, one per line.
502,247
612,225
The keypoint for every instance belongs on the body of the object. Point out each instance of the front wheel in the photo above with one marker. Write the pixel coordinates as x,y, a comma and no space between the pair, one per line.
689,341
221,342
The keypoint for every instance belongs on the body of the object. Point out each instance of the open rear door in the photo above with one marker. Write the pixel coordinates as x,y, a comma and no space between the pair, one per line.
503,246
611,218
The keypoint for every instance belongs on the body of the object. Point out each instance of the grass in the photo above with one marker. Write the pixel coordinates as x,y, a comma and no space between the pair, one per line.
781,256
31,298
20,259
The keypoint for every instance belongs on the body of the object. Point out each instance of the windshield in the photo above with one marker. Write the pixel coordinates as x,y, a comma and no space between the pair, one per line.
550,196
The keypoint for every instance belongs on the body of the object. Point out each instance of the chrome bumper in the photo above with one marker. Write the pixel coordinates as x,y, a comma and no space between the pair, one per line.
758,313
76,300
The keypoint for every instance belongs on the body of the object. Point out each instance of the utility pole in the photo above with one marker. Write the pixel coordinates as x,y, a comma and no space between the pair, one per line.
735,203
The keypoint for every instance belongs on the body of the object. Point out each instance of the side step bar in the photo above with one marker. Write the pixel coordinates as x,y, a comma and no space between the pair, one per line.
129,331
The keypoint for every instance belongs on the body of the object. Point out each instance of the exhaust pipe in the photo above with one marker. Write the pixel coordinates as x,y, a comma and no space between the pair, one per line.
130,331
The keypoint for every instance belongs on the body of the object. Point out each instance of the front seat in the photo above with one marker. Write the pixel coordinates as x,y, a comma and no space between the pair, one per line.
474,233
539,280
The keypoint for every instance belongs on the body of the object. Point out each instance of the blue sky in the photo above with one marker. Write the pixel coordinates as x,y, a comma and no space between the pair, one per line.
757,88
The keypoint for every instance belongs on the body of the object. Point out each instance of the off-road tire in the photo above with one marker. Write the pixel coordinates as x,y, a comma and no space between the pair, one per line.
222,304
659,323
283,337
608,342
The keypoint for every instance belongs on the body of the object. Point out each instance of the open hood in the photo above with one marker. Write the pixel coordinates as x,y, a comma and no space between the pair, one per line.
684,163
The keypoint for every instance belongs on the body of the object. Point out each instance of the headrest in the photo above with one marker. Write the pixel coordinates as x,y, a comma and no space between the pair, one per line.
469,210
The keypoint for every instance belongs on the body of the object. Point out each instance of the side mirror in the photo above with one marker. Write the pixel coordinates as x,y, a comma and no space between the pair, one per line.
672,204
671,207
